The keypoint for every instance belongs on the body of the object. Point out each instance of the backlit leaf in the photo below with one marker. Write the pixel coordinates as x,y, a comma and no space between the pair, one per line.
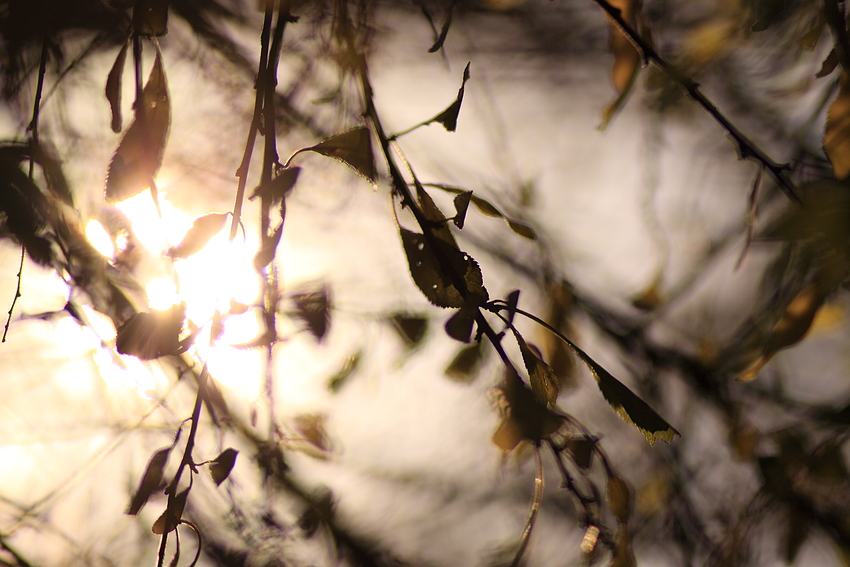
113,87
512,302
354,148
151,480
623,554
836,138
627,60
522,229
268,250
279,187
411,328
448,117
459,325
153,334
438,273
170,519
139,155
626,404
204,228
150,17
461,206
464,365
829,64
444,30
312,427
581,450
531,417
314,309
349,367
222,465
485,207
619,498
542,379
26,210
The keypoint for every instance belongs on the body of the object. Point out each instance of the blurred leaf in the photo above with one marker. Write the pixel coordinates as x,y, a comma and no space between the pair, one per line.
459,325
448,117
444,30
507,435
320,512
139,155
461,206
354,148
45,156
485,207
151,481
432,271
767,13
279,187
221,466
113,87
836,138
627,405
465,364
649,298
810,39
627,60
530,417
170,519
512,302
581,450
312,428
619,498
522,229
265,255
26,209
829,64
542,379
204,228
153,334
411,328
623,554
350,365
796,534
150,17
314,309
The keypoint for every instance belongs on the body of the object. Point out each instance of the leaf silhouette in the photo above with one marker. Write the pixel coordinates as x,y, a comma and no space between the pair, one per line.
410,328
461,206
829,64
353,148
836,138
459,325
113,87
444,30
581,450
432,273
202,231
171,518
530,417
153,334
151,480
26,210
279,187
314,308
522,229
541,377
464,365
139,155
448,117
265,255
222,465
626,60
150,17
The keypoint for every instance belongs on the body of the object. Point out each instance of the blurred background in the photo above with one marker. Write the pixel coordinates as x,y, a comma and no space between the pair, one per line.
364,432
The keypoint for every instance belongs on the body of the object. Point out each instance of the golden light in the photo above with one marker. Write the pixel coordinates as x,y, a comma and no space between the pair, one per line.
99,238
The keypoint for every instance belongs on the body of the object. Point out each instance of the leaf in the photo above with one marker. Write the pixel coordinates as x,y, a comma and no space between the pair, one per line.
767,13
410,328
353,148
448,117
221,466
151,481
436,275
463,366
204,228
444,30
507,435
796,534
265,255
45,156
170,519
623,554
153,334
581,450
512,302
113,87
349,367
485,207
649,298
626,404
459,325
461,206
542,379
314,309
619,498
312,427
836,138
627,60
279,187
26,210
139,155
530,417
829,64
522,229
150,18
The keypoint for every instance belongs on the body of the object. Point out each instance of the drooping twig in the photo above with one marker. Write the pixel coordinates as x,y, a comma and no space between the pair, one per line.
746,148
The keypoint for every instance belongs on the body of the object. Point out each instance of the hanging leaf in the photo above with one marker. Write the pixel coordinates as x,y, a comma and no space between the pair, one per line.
314,309
627,60
461,206
581,450
410,328
459,325
150,18
522,229
486,208
353,148
444,30
619,498
464,365
512,302
279,187
626,404
542,379
222,465
151,481
349,367
265,255
204,228
829,64
448,117
171,518
113,87
153,334
433,273
139,155
836,138
44,155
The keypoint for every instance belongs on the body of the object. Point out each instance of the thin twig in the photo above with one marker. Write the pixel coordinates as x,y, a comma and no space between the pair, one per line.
535,508
746,148
17,292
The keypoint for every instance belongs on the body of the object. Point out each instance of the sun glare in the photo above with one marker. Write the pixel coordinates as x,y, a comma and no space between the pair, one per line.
99,238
